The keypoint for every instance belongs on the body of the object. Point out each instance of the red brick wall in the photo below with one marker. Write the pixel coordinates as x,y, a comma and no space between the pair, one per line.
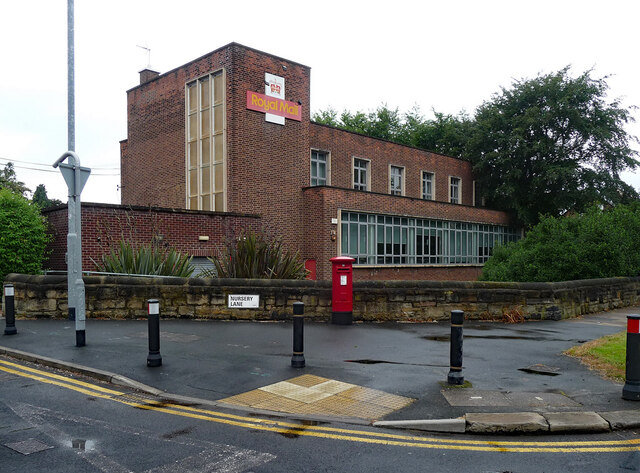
153,159
264,174
104,225
267,163
323,203
344,145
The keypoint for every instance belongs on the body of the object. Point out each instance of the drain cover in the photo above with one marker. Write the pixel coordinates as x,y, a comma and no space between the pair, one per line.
541,369
27,447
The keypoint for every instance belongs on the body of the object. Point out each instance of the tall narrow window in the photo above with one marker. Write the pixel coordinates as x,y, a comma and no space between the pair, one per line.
319,168
427,185
205,143
360,174
396,180
454,192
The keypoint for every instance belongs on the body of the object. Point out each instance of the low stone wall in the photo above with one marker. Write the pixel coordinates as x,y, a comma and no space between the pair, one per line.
420,301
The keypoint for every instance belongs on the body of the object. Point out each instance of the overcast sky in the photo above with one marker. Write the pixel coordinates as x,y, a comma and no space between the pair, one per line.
447,56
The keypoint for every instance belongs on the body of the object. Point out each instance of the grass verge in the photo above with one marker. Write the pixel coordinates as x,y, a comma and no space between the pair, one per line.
607,355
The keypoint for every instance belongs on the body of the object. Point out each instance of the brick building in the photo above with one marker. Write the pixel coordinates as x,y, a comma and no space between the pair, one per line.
231,132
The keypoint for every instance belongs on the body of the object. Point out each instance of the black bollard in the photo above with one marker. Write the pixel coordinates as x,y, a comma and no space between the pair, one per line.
631,390
10,311
154,359
455,358
297,360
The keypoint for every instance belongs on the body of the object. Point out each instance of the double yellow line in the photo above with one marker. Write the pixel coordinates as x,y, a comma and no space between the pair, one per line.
295,429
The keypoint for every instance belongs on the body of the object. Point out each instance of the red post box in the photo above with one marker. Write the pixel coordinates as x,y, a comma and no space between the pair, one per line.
342,293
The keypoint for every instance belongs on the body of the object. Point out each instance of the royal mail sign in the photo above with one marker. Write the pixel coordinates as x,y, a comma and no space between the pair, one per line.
272,102
273,106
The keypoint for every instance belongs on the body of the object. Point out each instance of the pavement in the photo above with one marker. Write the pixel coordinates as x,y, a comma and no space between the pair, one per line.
390,375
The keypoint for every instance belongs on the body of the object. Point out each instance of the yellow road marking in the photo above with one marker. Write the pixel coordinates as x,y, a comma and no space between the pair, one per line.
291,428
63,378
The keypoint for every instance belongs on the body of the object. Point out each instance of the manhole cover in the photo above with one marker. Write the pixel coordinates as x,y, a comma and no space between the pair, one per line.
541,369
27,447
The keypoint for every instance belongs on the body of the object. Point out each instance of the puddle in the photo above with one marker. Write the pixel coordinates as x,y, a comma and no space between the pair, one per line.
176,433
372,362
541,369
376,362
82,444
437,338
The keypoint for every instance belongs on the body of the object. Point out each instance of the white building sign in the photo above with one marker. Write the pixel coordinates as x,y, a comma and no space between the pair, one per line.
274,87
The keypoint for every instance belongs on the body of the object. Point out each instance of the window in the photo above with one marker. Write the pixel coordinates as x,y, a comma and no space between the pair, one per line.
455,194
319,168
396,180
395,240
427,185
205,135
360,174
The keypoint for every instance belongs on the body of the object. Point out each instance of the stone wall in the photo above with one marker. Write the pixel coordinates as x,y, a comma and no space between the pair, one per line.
420,301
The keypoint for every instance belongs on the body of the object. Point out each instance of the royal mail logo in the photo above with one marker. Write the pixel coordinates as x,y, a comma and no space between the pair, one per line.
273,105
276,88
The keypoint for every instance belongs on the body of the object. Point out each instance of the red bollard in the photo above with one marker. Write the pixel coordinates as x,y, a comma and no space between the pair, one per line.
631,390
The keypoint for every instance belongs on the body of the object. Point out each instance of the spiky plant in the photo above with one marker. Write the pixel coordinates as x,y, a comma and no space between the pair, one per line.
254,255
146,259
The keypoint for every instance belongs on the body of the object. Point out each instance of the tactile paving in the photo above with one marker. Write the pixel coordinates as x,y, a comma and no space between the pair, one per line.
314,395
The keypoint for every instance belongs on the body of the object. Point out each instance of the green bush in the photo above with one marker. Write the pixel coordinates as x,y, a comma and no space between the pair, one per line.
596,244
147,259
23,235
257,256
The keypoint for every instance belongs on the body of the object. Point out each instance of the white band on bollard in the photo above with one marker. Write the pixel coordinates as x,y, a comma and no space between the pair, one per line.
154,307
8,291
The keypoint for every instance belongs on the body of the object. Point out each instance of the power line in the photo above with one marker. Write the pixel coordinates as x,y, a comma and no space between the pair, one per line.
40,164
54,171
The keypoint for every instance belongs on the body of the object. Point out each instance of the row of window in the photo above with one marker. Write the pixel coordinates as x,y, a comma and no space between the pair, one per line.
362,178
205,136
385,239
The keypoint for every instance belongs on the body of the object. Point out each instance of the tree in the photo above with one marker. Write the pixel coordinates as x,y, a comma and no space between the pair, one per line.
596,244
9,181
552,144
23,235
41,199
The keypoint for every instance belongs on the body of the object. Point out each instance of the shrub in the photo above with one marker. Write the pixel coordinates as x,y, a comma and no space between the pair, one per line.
147,259
23,235
257,256
596,244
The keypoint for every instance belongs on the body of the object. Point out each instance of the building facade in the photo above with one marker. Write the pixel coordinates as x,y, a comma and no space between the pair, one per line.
231,132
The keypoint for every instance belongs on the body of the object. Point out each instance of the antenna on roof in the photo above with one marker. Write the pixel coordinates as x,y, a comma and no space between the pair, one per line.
148,50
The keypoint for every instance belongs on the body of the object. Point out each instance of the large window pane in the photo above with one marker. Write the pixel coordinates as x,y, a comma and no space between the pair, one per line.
193,127
204,93
218,177
192,93
206,152
217,89
218,150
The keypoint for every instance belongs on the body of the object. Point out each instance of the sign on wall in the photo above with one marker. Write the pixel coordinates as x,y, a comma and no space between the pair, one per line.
244,301
274,87
272,102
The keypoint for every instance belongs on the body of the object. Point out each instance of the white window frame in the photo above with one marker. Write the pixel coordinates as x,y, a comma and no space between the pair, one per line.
433,185
459,188
367,170
402,179
327,178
